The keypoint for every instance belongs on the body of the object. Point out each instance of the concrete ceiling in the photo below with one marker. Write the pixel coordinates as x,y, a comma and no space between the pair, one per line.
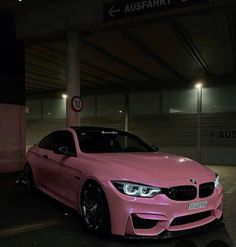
170,54
151,54
16,5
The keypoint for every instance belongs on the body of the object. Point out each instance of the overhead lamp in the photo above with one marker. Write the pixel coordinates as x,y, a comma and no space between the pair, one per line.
64,96
198,85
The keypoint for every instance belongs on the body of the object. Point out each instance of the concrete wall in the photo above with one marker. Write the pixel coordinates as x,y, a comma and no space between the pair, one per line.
36,129
12,132
166,118
12,97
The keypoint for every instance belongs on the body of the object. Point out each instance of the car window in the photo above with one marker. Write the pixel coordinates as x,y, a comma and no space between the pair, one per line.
57,140
48,142
65,139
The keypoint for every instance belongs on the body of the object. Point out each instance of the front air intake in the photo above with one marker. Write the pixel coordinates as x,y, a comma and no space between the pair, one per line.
140,223
190,218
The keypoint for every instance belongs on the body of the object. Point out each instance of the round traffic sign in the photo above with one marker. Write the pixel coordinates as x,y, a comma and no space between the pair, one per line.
77,104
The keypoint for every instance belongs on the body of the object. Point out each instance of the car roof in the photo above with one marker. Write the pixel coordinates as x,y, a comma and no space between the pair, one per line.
94,128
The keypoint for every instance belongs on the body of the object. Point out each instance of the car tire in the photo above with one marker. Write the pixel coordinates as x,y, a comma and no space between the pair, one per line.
28,179
94,208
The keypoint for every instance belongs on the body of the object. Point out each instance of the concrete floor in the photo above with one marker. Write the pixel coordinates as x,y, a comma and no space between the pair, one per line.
37,220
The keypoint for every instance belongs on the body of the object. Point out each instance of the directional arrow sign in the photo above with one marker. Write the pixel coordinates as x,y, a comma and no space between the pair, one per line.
113,11
128,8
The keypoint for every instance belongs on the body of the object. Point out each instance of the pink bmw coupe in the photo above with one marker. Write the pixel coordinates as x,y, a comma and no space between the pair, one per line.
119,183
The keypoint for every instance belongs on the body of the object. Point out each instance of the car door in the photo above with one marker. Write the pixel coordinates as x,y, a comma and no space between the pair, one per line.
44,169
69,170
55,158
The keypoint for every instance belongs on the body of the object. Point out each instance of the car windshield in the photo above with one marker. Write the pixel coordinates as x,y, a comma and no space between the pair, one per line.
106,141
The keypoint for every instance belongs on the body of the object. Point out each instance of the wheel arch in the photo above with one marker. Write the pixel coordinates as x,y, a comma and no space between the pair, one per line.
102,186
83,184
28,164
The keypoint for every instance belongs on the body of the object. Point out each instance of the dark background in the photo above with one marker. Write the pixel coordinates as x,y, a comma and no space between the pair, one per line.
12,63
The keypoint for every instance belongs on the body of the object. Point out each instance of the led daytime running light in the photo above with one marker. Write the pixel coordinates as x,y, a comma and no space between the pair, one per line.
217,181
137,190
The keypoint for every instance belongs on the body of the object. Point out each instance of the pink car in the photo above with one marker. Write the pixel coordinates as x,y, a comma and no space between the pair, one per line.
120,184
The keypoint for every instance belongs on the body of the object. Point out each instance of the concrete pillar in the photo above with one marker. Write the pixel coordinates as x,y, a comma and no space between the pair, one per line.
199,112
12,97
72,76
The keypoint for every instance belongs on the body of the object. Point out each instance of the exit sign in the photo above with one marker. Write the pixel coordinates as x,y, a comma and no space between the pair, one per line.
122,9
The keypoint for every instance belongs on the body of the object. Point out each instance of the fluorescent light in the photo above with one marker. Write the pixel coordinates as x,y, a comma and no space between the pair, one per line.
64,96
198,85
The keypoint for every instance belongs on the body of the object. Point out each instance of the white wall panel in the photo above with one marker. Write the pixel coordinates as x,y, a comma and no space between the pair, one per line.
219,100
180,101
144,103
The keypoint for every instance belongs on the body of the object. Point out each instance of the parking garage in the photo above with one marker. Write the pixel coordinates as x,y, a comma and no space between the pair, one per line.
158,69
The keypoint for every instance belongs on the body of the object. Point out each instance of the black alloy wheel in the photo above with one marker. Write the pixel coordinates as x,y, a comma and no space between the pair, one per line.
28,179
94,208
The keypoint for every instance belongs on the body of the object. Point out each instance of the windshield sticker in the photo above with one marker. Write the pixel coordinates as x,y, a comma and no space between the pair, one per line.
109,133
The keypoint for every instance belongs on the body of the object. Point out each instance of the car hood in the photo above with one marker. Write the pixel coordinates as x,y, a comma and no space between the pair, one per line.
148,167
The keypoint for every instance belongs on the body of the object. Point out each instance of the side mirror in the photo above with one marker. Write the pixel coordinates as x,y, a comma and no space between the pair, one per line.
156,148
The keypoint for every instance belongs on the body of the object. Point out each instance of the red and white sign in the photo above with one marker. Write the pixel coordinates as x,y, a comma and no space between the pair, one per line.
77,104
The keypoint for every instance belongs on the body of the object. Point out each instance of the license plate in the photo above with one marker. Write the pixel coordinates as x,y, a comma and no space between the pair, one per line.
197,205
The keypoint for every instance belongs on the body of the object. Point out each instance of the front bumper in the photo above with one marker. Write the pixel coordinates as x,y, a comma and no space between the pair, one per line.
168,234
160,214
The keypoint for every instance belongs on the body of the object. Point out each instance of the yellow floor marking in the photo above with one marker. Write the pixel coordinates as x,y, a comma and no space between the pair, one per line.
27,228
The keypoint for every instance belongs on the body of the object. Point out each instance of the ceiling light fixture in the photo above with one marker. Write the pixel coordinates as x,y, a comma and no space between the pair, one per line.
198,85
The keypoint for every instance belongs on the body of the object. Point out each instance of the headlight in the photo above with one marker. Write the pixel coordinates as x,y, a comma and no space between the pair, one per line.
137,190
217,181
